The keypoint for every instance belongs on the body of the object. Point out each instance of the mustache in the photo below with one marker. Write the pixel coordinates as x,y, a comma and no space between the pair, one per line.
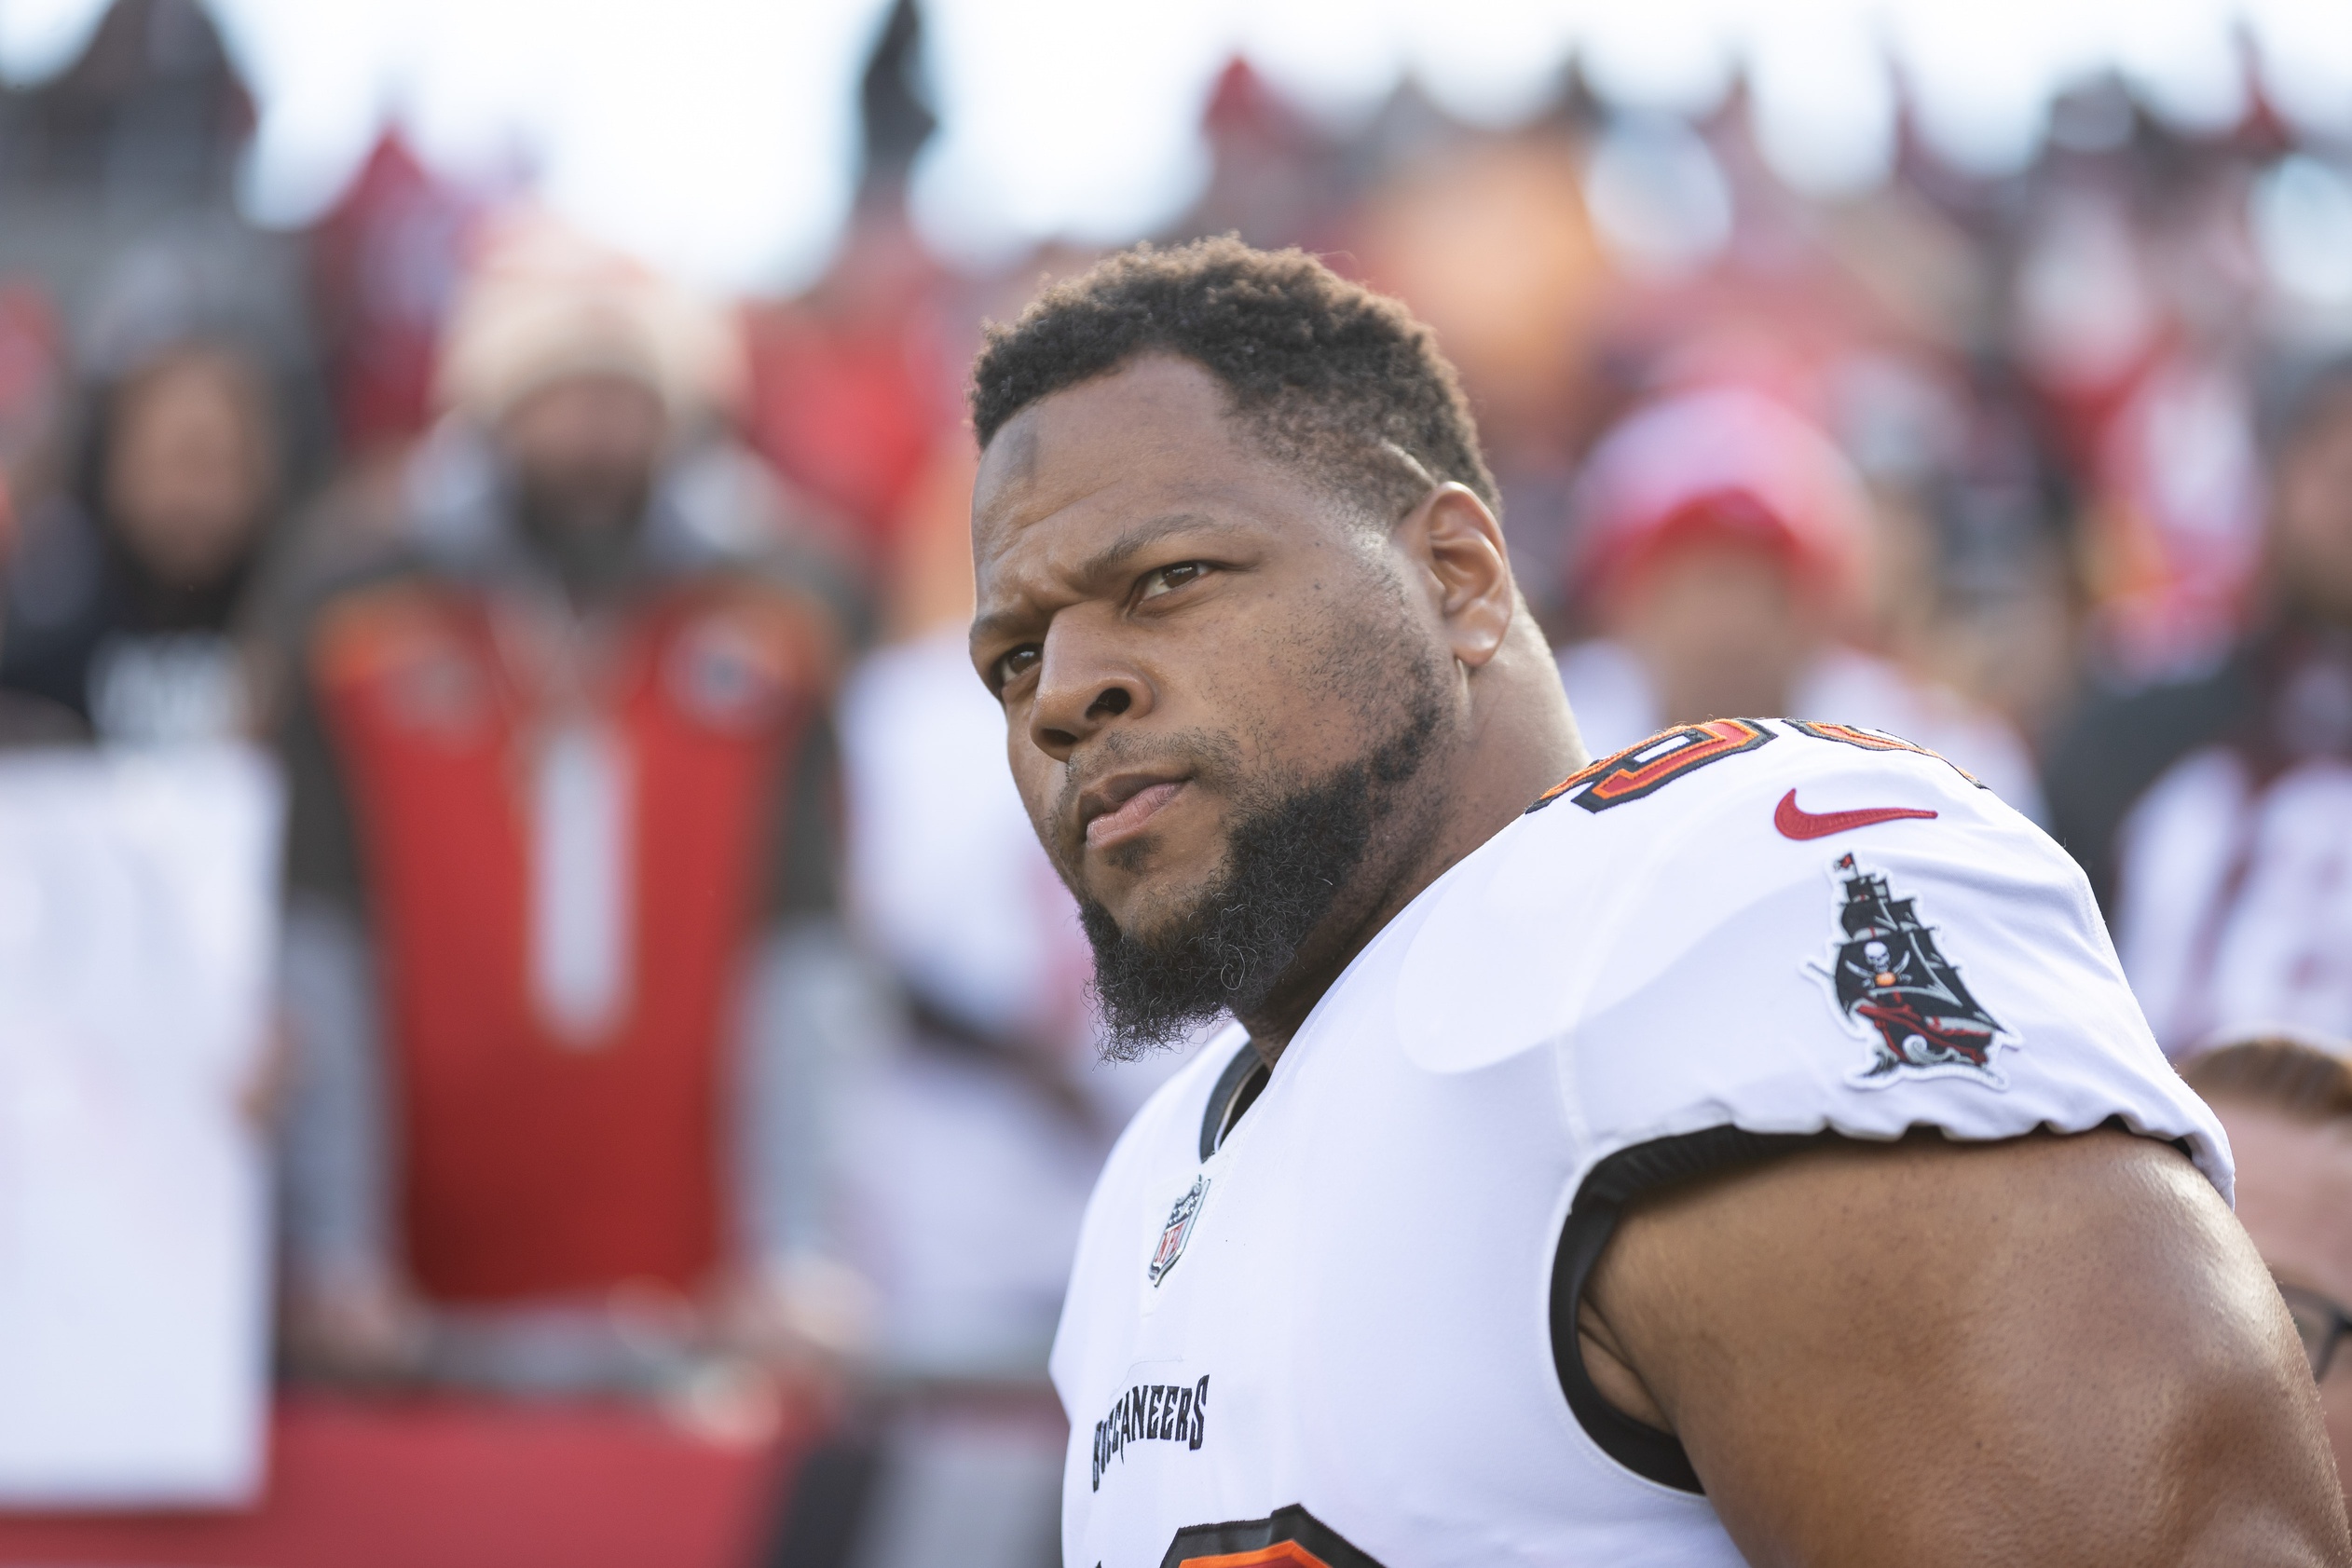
1210,757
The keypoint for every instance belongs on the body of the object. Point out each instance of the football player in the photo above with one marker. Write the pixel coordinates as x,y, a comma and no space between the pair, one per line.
1743,1145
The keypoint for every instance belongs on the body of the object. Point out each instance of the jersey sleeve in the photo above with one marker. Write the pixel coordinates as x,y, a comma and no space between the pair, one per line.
1899,952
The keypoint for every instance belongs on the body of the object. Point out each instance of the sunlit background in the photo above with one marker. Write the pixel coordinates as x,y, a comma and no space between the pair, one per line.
720,136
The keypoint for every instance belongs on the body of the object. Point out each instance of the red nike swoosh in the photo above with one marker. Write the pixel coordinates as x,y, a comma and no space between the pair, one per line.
1794,822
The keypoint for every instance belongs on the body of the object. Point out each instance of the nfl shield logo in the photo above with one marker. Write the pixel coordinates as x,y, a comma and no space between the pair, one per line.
1179,1229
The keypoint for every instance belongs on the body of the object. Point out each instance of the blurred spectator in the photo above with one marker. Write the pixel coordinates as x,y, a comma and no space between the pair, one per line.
1490,242
32,393
30,411
978,1141
33,721
2215,815
2287,1106
1720,541
852,385
123,604
1974,580
385,264
984,941
150,116
2133,291
563,972
1276,176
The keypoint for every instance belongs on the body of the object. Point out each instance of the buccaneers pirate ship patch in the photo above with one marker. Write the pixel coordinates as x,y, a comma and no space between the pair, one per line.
1893,986
1178,1230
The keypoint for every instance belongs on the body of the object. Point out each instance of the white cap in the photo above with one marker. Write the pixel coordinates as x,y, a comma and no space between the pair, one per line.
543,303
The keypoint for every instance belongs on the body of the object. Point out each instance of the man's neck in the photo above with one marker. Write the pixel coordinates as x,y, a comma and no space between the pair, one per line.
1515,746
1352,925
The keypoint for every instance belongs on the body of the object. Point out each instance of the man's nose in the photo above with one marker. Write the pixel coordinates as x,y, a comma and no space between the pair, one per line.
1084,683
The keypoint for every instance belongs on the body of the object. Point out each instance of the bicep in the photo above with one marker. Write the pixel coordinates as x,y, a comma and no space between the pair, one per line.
2052,1349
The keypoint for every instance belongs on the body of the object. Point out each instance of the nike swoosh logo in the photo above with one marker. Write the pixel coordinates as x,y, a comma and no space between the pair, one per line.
1794,822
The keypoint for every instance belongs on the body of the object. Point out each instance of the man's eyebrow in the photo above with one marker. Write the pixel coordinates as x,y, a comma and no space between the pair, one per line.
1103,563
997,624
1144,534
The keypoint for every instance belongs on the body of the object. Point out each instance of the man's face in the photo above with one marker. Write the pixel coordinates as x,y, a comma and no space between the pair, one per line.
1218,688
584,450
188,476
1721,627
2294,1195
2311,526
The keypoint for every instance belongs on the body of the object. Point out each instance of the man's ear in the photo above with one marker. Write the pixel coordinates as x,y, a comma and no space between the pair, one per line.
1457,545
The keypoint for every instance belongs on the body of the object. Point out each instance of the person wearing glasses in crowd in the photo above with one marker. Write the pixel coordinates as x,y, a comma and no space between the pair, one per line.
2287,1105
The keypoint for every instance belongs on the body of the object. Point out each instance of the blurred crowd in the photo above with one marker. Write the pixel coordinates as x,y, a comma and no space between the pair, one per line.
674,1000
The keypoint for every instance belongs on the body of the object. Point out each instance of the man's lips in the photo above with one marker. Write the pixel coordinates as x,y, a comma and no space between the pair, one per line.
1117,809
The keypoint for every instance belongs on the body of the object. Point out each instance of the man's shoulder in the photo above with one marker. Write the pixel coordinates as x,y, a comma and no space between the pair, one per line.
1705,850
1787,928
1758,783
346,548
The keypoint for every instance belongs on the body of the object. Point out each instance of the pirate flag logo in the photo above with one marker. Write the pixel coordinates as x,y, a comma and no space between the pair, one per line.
1893,986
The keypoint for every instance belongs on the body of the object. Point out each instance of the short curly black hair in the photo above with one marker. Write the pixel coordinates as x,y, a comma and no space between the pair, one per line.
1327,373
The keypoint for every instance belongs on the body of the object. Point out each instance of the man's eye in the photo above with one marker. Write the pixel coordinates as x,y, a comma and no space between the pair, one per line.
1167,578
1011,666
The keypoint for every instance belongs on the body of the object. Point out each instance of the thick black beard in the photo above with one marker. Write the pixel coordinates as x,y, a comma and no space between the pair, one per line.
584,526
1288,859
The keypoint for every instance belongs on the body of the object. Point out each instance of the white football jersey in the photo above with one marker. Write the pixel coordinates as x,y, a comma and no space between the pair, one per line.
1318,1326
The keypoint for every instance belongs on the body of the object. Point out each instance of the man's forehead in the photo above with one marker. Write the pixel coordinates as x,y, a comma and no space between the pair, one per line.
1151,436
1143,415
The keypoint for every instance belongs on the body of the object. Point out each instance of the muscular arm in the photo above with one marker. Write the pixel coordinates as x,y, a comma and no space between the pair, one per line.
2050,1350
